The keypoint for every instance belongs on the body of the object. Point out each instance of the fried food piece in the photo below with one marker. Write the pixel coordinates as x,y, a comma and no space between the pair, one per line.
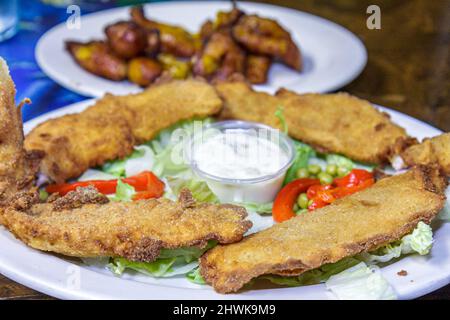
333,123
223,20
257,68
358,223
174,40
434,151
17,167
133,230
109,129
143,71
97,58
177,69
266,37
126,39
220,58
153,43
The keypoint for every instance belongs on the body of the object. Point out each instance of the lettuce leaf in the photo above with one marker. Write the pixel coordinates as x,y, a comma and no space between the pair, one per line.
419,241
124,192
195,277
360,282
199,188
262,208
303,153
117,167
171,262
313,276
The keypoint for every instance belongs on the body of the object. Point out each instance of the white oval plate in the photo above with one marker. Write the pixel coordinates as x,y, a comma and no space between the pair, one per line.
64,279
333,56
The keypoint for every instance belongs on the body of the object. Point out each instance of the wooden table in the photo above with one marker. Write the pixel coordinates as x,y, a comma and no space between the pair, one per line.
408,69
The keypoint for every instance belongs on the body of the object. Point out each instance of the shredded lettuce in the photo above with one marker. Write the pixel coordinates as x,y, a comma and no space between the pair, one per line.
279,113
303,153
199,188
117,167
195,277
419,241
314,276
124,192
360,282
262,208
137,164
171,262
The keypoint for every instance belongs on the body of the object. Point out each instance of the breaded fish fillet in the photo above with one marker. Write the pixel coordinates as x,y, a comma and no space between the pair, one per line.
431,151
85,223
337,123
360,222
113,125
17,167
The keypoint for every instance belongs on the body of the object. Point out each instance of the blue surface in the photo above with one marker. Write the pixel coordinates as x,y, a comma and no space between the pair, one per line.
35,19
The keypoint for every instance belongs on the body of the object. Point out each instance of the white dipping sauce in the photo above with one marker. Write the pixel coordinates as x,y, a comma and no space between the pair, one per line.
238,155
241,166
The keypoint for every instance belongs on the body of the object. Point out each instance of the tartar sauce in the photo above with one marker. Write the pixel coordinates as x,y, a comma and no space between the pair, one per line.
239,155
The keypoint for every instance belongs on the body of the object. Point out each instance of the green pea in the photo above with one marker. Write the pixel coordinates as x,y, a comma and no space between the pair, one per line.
310,202
302,173
342,171
325,178
301,211
302,201
331,169
314,168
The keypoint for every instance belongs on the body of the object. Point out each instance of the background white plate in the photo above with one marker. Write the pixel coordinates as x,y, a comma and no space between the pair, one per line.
59,277
333,56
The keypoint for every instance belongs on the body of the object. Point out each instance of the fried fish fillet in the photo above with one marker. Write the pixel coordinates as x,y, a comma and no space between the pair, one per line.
434,151
337,123
17,167
85,223
361,222
114,124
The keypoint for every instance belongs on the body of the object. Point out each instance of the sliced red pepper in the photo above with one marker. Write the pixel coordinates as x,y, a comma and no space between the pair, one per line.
315,189
353,178
283,206
146,183
316,204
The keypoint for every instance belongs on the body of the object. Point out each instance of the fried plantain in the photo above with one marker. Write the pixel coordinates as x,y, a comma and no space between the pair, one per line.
174,40
126,39
266,37
98,58
143,71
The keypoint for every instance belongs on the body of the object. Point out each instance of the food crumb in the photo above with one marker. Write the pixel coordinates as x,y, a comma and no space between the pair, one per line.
402,273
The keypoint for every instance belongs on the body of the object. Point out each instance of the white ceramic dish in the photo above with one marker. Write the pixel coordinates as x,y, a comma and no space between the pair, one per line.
62,278
333,56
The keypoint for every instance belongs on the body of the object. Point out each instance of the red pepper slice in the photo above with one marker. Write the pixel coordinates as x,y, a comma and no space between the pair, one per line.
284,202
146,183
353,178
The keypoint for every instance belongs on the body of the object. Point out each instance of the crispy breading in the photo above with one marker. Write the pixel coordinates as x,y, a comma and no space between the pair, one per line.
134,230
337,123
360,222
431,151
17,167
109,129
